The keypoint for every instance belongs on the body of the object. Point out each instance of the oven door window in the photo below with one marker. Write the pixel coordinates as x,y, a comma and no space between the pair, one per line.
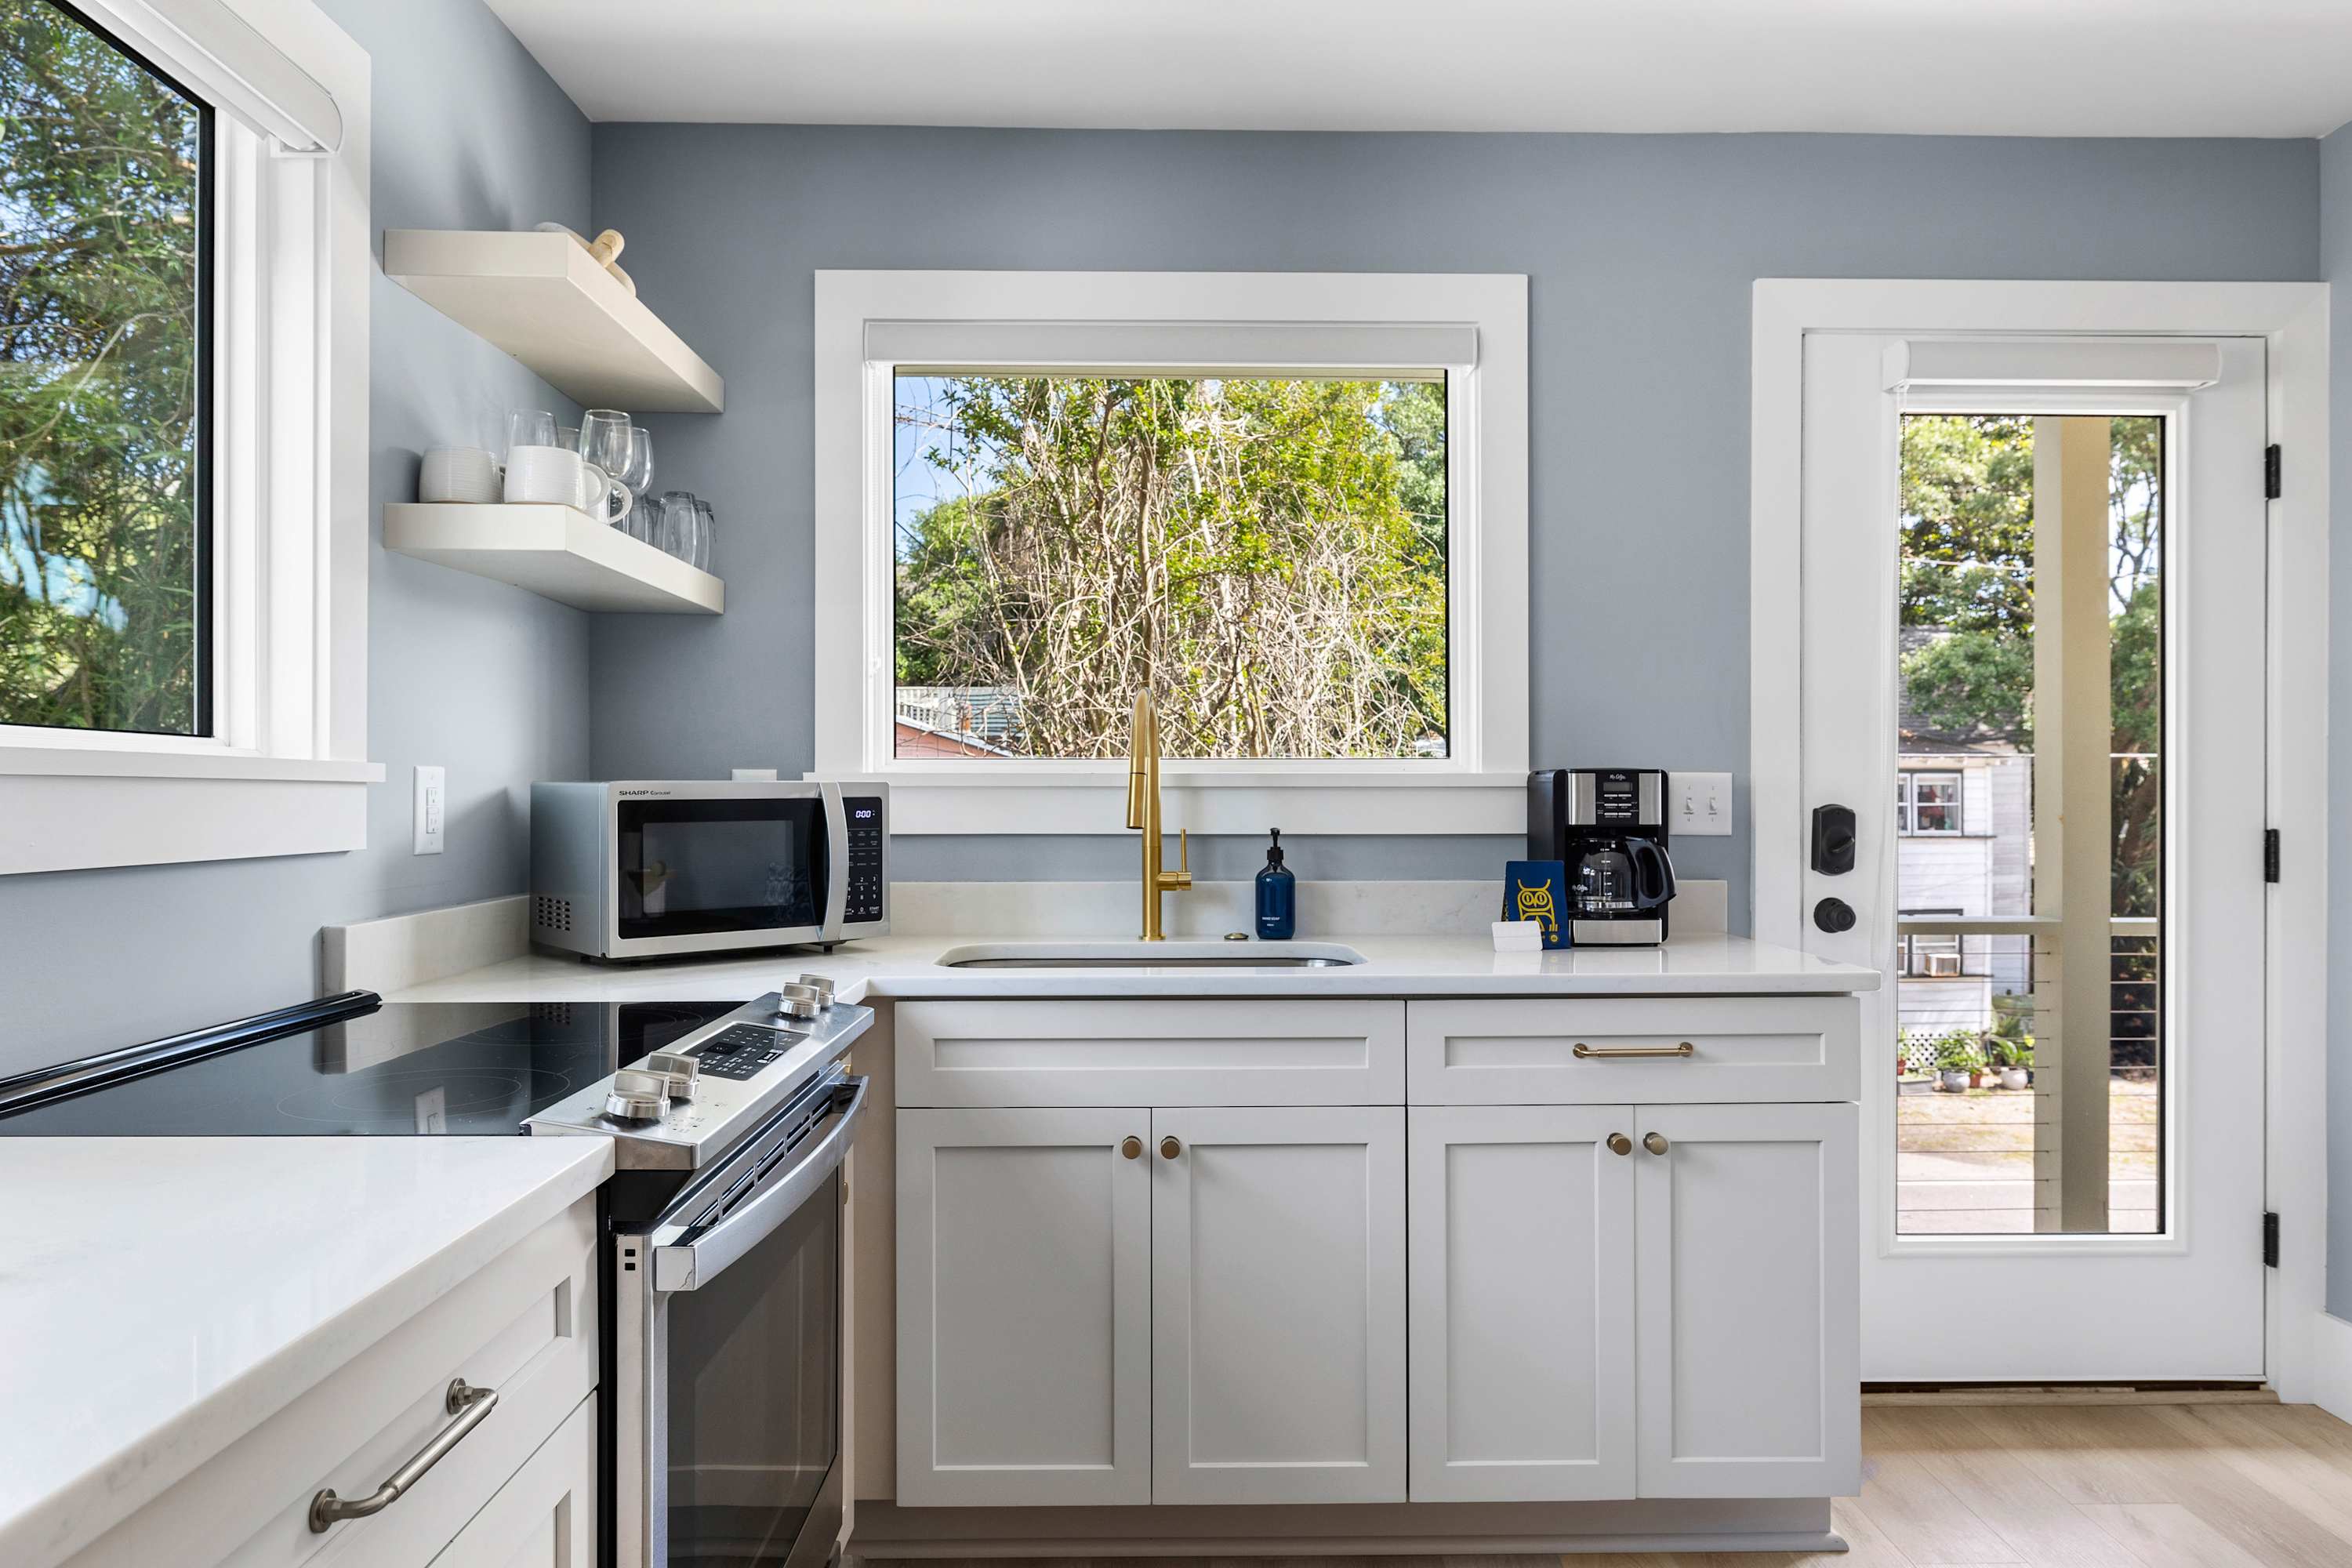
693,866
753,1393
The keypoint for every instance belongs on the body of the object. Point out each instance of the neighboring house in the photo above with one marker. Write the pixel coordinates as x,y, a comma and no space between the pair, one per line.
1964,825
914,740
988,715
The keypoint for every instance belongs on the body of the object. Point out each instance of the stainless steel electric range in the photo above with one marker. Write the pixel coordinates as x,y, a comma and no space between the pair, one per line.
722,1237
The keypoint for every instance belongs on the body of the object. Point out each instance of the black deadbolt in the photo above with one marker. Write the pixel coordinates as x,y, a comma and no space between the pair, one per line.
1833,915
1833,839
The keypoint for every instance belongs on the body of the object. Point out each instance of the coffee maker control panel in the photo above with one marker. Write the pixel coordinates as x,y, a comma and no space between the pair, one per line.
1627,800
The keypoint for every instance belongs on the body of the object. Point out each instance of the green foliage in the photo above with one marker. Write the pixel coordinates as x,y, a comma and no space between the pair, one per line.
1267,555
1959,1050
98,477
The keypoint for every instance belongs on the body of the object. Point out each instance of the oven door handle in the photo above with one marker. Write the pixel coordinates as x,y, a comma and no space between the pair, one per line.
691,1265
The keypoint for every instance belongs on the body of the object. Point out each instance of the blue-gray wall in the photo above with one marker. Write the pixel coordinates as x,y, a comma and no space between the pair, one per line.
1640,251
2336,266
488,680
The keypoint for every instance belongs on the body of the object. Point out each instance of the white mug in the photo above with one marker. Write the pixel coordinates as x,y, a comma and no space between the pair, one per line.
544,475
458,474
595,492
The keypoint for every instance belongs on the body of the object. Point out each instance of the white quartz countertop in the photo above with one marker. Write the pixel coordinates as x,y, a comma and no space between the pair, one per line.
1435,966
165,1296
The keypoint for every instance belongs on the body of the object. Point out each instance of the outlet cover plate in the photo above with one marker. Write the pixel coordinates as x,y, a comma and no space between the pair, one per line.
1702,806
432,807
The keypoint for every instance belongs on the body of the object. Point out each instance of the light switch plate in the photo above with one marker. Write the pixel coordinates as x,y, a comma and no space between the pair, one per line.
432,807
1702,806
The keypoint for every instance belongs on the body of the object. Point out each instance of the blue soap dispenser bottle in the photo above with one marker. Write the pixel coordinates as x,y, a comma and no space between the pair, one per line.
1277,896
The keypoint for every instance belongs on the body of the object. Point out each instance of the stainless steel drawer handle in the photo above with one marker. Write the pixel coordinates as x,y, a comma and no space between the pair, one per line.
1584,1052
469,1404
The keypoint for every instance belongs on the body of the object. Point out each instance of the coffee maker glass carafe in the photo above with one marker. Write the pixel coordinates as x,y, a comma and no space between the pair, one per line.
1618,877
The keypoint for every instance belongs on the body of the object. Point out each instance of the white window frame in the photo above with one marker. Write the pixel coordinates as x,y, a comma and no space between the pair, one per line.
285,770
868,322
1907,806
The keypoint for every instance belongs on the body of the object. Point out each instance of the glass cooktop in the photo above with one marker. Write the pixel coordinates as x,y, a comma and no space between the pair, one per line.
398,1069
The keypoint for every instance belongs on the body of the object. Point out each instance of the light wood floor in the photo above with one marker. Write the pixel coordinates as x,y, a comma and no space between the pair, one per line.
2139,1485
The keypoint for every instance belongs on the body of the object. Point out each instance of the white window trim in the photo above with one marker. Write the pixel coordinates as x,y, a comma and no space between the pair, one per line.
1179,321
285,771
1906,812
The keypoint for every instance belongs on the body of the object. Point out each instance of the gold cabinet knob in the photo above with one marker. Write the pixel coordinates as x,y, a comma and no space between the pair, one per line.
1656,1143
1619,1144
1131,1146
1169,1148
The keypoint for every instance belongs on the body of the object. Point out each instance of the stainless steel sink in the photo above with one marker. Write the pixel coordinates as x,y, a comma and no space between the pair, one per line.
1152,956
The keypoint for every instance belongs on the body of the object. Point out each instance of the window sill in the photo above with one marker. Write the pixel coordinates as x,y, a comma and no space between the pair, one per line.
78,809
1093,801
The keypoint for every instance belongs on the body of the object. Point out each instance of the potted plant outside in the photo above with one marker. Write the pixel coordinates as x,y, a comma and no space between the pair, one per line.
2014,1058
1959,1060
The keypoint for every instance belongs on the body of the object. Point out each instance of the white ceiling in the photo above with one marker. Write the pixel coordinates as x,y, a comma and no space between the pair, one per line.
2061,67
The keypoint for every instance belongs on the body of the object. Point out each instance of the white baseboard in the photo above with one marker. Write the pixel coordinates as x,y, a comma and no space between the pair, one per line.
2331,1365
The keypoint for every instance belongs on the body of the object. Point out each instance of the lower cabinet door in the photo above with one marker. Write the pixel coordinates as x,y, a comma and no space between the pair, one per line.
1522,1303
545,1516
1025,1299
1277,1290
1745,1239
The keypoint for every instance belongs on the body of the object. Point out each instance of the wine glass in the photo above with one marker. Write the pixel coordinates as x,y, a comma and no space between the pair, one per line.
530,428
606,441
638,473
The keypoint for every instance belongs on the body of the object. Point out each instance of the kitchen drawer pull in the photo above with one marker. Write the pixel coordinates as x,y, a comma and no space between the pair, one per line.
1584,1052
468,1404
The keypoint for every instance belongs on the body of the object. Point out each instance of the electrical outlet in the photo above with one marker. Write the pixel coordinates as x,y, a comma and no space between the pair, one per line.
1702,806
432,804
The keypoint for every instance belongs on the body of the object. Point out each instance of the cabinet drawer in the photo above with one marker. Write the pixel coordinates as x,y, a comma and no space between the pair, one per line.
525,1325
1524,1052
1177,1051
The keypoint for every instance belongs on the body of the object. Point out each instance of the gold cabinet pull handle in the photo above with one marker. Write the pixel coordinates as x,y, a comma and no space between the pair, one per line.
1584,1052
1656,1143
1131,1146
1169,1148
468,1404
1619,1144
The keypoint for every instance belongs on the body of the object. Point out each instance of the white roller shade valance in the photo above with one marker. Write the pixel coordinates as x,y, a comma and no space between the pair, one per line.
1366,349
2147,365
211,47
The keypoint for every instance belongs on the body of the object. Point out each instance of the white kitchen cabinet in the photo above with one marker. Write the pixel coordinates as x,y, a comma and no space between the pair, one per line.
1745,1248
1024,1268
545,1516
1277,1305
1521,1220
1627,1050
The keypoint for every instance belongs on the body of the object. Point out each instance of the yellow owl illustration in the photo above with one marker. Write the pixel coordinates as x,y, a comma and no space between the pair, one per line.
1535,904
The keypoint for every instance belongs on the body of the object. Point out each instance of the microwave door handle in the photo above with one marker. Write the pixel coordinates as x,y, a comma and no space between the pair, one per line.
691,1265
836,861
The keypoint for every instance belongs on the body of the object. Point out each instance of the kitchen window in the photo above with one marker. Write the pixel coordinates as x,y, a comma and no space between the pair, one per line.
183,241
1926,804
1294,504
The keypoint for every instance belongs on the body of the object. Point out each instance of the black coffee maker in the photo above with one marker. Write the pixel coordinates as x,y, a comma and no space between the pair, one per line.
1608,827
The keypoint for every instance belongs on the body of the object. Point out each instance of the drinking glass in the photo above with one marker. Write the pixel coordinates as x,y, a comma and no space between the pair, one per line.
645,519
605,441
530,428
639,473
680,523
706,525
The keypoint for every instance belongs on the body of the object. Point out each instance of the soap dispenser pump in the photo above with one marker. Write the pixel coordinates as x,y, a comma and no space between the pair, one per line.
1277,896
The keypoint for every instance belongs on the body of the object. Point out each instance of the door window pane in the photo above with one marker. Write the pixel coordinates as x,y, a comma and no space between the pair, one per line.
2030,1061
1268,554
103,236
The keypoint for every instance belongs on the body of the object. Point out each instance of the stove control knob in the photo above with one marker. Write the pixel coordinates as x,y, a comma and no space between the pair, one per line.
795,1001
821,985
682,1075
637,1096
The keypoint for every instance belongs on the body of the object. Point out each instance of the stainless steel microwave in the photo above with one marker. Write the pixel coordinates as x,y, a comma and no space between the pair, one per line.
646,869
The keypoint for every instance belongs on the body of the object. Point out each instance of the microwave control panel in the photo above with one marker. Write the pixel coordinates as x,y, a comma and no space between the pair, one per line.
863,899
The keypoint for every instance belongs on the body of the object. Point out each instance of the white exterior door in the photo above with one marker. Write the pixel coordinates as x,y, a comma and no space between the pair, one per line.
1024,1300
1746,1307
1522,1226
1277,1323
2077,877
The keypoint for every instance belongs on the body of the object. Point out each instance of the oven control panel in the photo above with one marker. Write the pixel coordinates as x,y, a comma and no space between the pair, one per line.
741,1050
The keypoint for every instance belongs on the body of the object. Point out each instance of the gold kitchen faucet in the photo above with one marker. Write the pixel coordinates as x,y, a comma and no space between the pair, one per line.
1143,811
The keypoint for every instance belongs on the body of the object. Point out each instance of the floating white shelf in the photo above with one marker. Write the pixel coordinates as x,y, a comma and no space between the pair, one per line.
556,552
547,301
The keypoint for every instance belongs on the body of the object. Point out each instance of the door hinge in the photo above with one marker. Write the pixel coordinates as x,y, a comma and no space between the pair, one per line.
2270,1241
2269,855
2270,472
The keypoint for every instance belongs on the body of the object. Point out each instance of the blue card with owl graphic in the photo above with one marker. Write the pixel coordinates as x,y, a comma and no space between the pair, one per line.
1538,891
